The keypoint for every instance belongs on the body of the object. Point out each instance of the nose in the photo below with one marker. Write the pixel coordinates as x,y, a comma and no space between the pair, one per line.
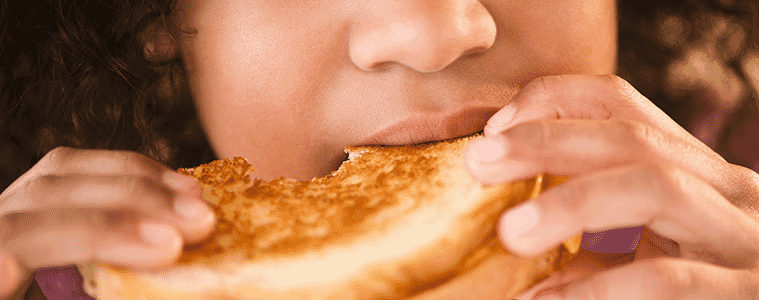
425,35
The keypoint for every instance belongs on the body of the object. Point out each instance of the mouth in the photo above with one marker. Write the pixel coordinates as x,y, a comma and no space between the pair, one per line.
428,127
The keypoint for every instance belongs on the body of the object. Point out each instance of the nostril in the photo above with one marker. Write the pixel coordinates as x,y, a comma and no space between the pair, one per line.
377,67
474,52
426,42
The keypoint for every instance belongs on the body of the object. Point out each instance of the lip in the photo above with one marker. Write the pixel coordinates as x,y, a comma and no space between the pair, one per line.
426,127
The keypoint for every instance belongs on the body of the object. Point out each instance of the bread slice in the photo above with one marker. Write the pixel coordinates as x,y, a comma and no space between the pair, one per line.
390,223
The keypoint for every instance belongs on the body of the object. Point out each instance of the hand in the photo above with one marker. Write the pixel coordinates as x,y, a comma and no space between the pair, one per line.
77,206
633,166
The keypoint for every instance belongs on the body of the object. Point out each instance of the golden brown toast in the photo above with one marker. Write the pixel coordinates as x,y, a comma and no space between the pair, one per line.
390,223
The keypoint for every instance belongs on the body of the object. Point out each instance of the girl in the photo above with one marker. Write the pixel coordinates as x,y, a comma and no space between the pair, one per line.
287,84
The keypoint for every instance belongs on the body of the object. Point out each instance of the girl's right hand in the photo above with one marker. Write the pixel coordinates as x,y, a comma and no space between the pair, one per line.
78,206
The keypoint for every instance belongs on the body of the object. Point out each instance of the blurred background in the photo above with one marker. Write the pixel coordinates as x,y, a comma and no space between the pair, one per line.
698,61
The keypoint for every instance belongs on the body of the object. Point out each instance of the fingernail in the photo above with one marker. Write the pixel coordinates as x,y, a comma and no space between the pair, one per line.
178,181
503,117
159,235
518,221
193,210
492,130
516,224
488,150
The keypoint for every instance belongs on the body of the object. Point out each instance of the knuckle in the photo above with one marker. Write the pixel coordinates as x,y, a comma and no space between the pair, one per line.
548,84
132,158
673,185
114,222
747,179
58,157
655,181
48,181
557,94
622,86
751,177
545,85
43,185
535,134
743,189
60,152
537,84
632,128
636,133
10,225
616,81
44,182
139,163
664,279
576,196
663,178
31,194
145,189
137,185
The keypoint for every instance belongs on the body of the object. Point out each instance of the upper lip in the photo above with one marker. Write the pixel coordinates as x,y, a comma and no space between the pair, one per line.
432,126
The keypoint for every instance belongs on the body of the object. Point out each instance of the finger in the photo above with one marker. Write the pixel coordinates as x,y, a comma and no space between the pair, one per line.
582,264
670,202
92,191
144,195
602,97
64,160
664,278
588,262
66,236
571,147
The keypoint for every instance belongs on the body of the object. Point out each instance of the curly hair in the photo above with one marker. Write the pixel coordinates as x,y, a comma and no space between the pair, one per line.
87,74
103,74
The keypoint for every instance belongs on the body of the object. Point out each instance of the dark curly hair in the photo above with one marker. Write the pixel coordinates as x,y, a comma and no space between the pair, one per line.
88,74
103,74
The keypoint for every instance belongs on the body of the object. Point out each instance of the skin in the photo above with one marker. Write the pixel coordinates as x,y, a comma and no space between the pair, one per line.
633,166
313,77
289,84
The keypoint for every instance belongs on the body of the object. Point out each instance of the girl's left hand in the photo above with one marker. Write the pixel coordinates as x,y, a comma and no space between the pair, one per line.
632,166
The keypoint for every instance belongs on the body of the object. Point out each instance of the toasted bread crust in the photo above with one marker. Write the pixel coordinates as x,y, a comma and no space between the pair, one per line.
391,223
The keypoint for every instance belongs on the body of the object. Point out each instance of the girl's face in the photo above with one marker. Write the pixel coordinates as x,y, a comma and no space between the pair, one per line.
289,84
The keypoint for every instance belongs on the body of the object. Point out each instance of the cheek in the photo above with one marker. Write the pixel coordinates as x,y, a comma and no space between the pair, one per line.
255,58
264,73
255,78
247,108
560,36
232,88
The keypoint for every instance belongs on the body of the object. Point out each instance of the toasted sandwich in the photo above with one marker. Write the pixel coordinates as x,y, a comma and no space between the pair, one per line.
391,223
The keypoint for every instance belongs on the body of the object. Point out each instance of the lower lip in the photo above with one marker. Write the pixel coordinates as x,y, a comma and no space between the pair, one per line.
426,127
